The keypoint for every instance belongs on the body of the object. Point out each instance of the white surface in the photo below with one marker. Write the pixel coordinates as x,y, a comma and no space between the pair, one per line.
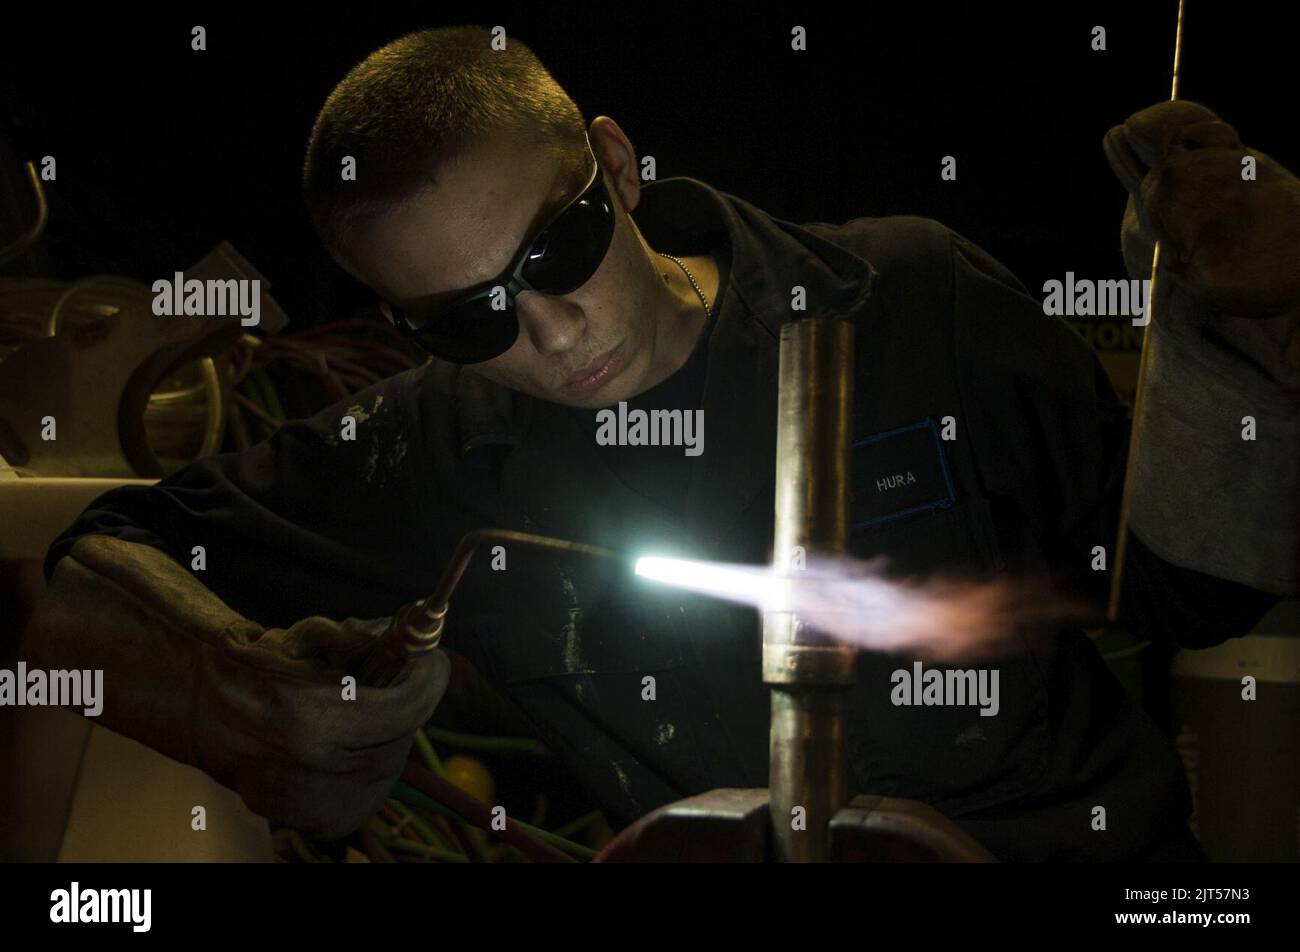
34,510
132,804
1263,657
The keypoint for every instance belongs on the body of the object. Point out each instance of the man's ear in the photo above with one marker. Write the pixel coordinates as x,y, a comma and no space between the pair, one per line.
618,163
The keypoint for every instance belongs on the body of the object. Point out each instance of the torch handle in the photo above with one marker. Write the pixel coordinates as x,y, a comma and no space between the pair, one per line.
415,629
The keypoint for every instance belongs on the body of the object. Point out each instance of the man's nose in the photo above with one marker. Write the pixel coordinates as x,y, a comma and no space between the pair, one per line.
552,324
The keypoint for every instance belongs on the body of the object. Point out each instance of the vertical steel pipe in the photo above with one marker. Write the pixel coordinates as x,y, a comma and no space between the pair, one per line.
808,674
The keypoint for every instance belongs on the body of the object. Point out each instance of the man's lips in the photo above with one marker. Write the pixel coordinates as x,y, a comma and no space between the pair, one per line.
597,374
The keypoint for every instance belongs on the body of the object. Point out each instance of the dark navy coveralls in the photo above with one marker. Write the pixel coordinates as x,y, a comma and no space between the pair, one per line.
308,524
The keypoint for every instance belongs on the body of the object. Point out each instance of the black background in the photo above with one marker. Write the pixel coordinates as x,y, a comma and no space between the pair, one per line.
336,906
163,151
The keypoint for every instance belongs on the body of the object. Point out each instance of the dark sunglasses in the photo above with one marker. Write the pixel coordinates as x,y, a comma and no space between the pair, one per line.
561,259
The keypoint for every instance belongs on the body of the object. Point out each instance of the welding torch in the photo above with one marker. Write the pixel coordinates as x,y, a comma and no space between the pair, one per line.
416,628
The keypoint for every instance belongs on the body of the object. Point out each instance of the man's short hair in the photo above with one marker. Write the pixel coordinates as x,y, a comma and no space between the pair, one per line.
410,107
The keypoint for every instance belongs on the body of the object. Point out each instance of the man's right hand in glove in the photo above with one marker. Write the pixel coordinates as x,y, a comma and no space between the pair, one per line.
263,711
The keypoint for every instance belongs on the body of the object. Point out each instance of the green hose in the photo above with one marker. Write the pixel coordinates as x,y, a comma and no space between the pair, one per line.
576,850
377,838
405,791
423,849
429,754
523,745
272,399
581,823
431,836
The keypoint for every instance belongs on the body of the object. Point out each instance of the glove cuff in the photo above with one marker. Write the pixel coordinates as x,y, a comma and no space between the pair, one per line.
1207,496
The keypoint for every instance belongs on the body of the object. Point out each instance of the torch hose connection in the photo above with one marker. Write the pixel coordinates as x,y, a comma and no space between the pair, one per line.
417,628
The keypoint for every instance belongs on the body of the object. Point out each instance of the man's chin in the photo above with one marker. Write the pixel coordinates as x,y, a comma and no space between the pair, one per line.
593,401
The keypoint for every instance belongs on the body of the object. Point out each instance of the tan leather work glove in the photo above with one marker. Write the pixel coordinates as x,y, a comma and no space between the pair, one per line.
260,710
1231,241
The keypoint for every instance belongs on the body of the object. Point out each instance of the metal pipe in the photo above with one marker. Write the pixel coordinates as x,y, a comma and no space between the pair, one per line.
32,234
417,628
808,674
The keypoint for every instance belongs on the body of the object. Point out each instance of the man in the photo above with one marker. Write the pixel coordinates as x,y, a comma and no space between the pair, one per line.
522,250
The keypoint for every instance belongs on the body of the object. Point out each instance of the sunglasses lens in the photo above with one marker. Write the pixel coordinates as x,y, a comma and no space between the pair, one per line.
570,251
475,332
562,259
469,333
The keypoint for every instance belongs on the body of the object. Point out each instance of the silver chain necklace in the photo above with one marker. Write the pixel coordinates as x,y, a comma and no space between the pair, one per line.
690,277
